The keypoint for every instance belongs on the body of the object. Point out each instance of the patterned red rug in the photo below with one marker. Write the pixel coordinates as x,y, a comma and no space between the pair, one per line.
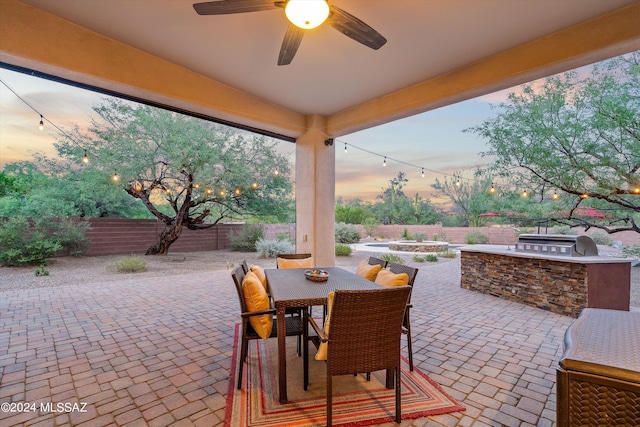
356,402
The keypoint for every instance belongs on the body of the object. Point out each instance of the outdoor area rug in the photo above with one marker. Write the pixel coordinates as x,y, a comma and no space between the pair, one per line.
356,402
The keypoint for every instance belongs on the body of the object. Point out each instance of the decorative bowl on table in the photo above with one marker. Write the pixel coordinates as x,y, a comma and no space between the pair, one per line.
316,275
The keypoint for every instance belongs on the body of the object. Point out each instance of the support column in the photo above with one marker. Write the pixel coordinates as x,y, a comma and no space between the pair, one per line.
315,193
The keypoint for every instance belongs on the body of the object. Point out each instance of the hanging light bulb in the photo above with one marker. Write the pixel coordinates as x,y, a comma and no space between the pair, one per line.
637,190
525,193
208,191
254,185
41,124
196,185
307,14
276,173
221,193
137,187
237,191
492,189
115,177
584,196
85,158
345,148
423,172
555,196
168,191
458,182
384,163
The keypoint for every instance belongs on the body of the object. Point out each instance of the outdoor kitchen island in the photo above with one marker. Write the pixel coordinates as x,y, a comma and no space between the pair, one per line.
558,280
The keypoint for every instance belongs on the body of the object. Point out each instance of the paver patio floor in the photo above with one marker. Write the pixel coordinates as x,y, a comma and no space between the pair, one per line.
157,351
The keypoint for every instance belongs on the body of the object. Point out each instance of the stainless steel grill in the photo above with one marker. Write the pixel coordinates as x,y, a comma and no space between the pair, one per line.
557,244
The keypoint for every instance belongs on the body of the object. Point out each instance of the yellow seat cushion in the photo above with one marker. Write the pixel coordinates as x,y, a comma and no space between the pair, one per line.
324,346
295,263
367,271
256,299
389,280
259,272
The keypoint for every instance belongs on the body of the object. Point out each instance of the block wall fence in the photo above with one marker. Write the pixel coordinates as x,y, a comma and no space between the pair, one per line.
110,236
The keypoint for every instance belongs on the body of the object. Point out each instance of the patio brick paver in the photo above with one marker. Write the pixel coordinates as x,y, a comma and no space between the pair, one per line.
157,351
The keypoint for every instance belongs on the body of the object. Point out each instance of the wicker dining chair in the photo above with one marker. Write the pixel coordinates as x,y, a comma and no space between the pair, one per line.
292,256
377,261
406,325
294,323
361,337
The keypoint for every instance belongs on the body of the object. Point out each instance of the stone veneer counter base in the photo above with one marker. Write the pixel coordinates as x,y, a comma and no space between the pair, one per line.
563,285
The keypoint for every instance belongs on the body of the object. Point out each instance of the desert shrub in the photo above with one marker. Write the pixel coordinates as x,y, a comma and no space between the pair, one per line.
343,250
419,237
431,258
564,229
448,254
370,224
406,235
244,240
476,237
272,248
418,258
441,237
346,233
23,242
392,258
631,252
72,235
602,238
131,264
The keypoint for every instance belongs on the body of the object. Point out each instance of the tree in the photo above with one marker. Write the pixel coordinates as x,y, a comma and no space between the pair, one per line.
395,207
187,172
577,138
473,198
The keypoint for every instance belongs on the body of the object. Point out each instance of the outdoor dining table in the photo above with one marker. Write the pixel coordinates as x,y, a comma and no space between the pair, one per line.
290,288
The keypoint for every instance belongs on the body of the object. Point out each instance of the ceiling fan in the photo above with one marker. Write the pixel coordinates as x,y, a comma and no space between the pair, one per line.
303,15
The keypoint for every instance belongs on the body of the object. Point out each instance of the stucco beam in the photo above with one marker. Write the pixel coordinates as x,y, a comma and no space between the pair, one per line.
610,35
37,40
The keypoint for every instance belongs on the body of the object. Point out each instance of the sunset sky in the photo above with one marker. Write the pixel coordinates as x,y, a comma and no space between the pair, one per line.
432,140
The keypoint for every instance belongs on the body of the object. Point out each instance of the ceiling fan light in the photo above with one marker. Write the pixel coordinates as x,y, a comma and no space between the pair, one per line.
307,14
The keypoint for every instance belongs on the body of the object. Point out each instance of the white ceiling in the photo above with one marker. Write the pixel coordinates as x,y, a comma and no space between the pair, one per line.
330,72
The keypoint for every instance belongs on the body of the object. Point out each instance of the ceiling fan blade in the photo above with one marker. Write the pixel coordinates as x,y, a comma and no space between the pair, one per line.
290,44
224,7
354,28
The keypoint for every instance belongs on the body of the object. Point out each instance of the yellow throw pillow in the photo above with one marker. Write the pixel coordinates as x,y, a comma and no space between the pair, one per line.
259,272
389,280
324,346
295,263
256,299
367,271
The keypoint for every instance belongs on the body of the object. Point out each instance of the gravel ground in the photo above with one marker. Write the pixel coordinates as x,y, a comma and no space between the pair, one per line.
96,270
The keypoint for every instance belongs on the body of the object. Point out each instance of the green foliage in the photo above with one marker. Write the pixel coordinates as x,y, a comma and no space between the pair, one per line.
353,212
42,271
448,254
631,252
406,235
476,237
471,198
441,237
244,240
428,257
395,207
22,242
392,258
343,250
370,225
419,237
346,233
285,235
564,229
273,248
574,135
602,238
71,235
131,264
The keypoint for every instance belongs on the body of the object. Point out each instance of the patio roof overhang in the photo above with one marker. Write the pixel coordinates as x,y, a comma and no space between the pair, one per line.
439,52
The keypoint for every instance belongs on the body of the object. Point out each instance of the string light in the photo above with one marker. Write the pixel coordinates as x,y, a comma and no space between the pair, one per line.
584,196
254,185
384,163
276,173
423,172
208,191
221,193
237,191
85,158
115,177
525,193
345,148
41,124
492,189
458,182
555,196
636,190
